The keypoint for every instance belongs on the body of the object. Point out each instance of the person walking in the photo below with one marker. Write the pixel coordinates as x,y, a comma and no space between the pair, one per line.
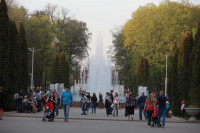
183,108
161,108
116,105
84,103
130,105
94,102
108,103
2,102
141,103
149,107
67,99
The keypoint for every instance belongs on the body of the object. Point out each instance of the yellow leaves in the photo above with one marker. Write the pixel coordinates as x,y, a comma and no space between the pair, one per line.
153,29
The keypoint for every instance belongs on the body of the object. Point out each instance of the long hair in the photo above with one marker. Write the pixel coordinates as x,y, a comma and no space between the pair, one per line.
150,100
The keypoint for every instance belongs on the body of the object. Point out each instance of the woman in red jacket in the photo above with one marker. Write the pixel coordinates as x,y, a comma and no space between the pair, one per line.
149,107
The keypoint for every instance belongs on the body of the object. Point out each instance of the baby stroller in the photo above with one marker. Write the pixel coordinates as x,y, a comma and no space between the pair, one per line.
154,117
48,113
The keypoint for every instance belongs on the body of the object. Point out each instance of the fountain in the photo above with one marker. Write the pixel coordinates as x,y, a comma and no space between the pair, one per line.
99,77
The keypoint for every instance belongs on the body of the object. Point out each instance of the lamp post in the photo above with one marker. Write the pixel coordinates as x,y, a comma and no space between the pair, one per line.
166,56
33,51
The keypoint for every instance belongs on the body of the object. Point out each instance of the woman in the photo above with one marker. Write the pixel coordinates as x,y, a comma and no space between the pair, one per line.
130,101
94,102
116,105
183,108
2,101
108,103
149,107
53,100
100,100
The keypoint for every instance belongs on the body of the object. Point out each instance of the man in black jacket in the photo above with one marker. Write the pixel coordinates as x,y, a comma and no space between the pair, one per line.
141,103
161,108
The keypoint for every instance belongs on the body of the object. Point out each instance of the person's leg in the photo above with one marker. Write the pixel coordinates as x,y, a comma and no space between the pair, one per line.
140,112
64,108
159,116
116,111
92,108
1,111
67,111
164,115
95,109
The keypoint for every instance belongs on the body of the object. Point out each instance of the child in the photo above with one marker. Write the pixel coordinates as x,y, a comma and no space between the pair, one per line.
183,108
47,112
154,116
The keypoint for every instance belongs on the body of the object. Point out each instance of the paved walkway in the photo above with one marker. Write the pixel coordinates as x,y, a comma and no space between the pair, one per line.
75,113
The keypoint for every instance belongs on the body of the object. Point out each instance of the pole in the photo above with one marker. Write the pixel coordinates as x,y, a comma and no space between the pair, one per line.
166,75
32,68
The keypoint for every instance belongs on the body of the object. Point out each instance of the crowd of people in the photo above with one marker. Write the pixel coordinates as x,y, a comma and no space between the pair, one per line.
151,106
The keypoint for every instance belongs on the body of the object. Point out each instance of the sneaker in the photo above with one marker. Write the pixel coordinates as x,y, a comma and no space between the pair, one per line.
163,126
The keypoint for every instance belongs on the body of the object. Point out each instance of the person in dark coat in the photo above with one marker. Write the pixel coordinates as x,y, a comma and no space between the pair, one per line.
2,102
141,103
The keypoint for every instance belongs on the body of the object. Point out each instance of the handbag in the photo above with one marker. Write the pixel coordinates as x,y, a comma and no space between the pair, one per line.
112,105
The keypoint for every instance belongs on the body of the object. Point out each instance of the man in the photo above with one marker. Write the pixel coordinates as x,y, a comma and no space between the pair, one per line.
161,108
84,103
39,98
141,103
20,99
67,99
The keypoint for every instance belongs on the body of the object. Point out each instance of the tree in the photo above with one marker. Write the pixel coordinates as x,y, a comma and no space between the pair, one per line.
55,70
142,72
63,73
153,29
14,58
4,50
195,79
174,92
23,58
185,49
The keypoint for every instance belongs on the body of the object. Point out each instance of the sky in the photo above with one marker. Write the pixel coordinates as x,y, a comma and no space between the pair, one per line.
101,16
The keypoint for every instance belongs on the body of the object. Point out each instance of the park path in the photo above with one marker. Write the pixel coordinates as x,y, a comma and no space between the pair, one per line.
75,113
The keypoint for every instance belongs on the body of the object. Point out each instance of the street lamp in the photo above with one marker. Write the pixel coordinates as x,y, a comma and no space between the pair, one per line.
166,56
33,51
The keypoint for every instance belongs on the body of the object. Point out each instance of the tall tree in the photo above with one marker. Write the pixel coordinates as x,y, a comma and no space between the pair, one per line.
55,69
174,92
142,71
195,79
4,49
23,58
185,50
14,57
63,70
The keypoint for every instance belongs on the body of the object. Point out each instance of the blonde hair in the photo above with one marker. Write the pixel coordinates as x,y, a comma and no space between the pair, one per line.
150,100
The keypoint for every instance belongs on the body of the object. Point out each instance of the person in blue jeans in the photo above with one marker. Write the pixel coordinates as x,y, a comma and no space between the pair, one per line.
94,102
161,108
67,99
141,103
